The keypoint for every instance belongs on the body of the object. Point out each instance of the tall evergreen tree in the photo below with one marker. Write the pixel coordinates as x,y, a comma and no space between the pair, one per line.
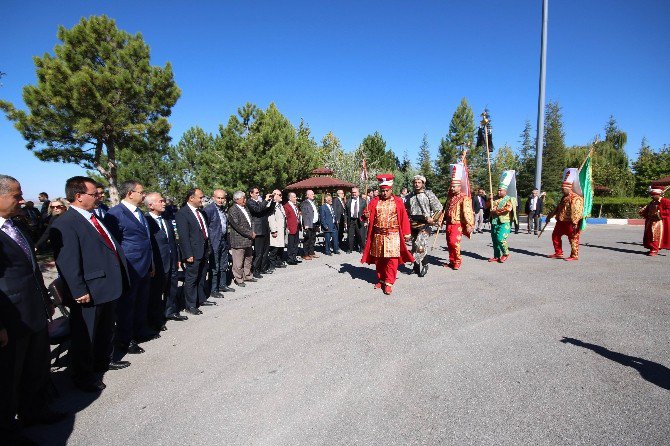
461,131
553,157
527,156
377,157
650,165
97,95
425,164
504,159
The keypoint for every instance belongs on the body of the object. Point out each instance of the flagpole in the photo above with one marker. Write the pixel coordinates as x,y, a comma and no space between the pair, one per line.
485,123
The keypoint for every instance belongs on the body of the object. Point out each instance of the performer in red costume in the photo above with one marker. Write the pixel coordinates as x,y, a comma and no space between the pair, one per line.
388,229
657,222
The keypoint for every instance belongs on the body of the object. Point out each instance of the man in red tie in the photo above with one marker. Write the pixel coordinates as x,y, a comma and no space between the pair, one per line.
93,268
195,248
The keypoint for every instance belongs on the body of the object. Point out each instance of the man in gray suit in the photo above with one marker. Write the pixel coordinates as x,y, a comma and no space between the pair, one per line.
310,220
218,236
241,239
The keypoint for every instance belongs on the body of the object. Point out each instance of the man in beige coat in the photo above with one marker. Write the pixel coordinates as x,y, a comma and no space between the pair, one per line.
277,223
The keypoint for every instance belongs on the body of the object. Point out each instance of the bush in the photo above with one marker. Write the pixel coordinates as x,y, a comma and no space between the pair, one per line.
618,207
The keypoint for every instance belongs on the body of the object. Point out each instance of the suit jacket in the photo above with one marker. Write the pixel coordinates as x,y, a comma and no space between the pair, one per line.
277,223
22,291
260,211
539,207
216,235
134,239
164,247
307,214
361,207
240,229
475,203
292,220
328,222
85,262
339,208
192,242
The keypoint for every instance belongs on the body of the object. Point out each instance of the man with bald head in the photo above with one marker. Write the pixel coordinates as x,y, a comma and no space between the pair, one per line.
216,212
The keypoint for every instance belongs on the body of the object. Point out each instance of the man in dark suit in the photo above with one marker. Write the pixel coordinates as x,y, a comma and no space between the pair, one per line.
101,208
293,226
163,289
43,198
242,238
355,221
94,270
329,226
129,226
534,208
260,211
310,222
195,249
24,341
218,236
339,208
478,207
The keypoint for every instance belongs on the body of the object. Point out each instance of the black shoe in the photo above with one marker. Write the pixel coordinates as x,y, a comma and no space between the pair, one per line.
207,303
269,271
217,295
90,386
118,365
134,349
193,311
177,317
253,279
46,416
291,262
256,276
227,289
424,270
337,252
280,265
240,284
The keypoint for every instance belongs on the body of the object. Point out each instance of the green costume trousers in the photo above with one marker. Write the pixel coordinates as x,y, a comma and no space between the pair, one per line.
499,234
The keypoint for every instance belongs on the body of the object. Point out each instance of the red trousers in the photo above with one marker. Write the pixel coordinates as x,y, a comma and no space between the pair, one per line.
565,228
454,234
387,269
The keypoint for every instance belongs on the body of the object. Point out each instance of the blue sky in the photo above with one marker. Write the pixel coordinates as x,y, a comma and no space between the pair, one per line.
356,67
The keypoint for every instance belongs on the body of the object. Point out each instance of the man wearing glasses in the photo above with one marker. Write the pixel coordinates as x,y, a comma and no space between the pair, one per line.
129,226
101,208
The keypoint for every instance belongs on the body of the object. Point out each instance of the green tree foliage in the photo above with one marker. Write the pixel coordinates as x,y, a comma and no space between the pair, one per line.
377,157
650,165
504,159
461,132
96,96
425,164
527,155
554,151
184,166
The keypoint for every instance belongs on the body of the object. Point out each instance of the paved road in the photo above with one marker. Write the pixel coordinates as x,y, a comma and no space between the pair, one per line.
313,355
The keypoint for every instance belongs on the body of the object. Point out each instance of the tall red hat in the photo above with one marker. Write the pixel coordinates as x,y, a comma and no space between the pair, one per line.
385,180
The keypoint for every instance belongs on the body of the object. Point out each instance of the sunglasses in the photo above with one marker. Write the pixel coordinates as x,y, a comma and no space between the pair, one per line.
60,206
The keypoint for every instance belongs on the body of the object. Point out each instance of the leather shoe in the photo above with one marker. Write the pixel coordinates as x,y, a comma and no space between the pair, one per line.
257,276
280,265
177,317
207,303
134,349
226,289
90,386
253,279
269,271
193,311
241,284
315,256
307,257
291,262
118,365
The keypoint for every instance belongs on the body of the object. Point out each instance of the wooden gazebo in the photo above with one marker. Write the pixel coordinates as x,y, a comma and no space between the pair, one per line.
661,182
321,181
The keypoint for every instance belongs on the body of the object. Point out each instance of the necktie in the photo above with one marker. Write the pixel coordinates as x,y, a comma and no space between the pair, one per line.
100,213
11,230
355,213
163,228
202,225
103,234
142,220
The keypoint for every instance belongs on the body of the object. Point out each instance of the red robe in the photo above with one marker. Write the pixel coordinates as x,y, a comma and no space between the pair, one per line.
403,224
653,226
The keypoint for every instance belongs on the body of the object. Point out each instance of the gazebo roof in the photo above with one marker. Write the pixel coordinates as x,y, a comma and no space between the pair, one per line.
320,183
661,182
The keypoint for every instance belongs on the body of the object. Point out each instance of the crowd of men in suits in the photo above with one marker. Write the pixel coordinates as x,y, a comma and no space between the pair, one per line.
119,271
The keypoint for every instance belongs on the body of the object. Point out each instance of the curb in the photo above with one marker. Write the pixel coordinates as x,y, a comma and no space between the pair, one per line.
611,221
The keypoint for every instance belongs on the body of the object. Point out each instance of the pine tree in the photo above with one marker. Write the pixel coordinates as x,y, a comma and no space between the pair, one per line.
527,154
96,96
553,157
425,164
461,132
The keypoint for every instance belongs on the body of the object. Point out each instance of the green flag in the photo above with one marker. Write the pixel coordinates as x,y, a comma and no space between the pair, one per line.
586,184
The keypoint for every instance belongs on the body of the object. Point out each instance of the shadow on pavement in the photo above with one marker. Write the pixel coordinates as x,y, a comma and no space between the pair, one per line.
653,372
630,243
70,400
612,248
359,272
526,252
473,255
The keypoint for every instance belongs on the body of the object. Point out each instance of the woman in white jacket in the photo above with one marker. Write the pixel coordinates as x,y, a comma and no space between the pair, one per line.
277,222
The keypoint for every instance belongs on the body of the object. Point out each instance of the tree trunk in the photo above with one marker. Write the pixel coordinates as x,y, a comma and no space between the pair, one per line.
109,171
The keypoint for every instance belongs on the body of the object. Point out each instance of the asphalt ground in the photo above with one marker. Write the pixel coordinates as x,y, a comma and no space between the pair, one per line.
313,355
